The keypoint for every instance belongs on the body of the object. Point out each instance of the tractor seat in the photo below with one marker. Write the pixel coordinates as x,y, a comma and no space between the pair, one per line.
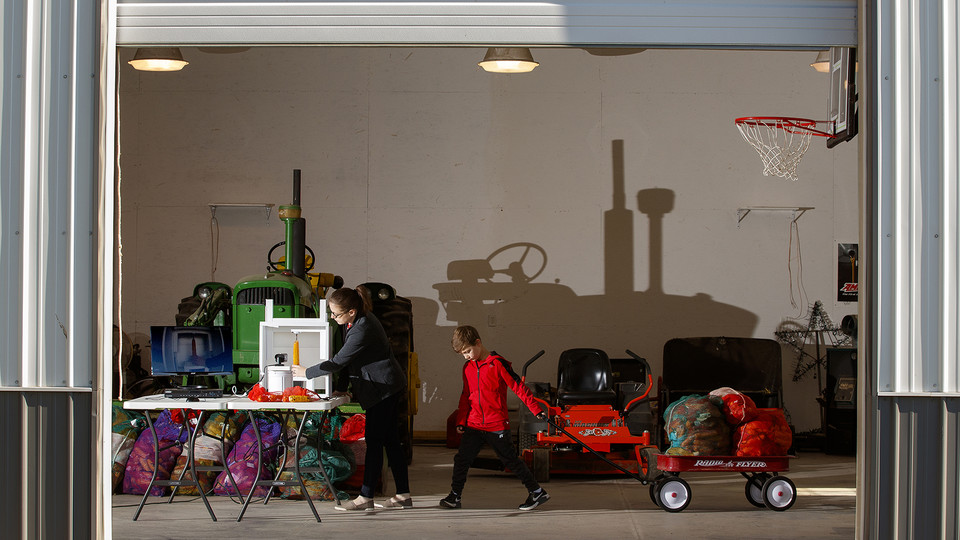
584,377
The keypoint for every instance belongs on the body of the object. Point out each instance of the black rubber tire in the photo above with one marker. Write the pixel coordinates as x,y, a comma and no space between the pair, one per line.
779,493
653,491
185,309
673,494
541,465
753,490
526,440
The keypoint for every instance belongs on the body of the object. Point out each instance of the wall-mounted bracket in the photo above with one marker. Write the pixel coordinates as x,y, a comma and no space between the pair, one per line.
266,207
795,211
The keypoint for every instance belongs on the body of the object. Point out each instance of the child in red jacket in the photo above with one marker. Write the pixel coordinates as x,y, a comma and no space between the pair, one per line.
482,416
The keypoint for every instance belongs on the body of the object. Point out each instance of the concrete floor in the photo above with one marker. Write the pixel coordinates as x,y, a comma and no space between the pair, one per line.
580,507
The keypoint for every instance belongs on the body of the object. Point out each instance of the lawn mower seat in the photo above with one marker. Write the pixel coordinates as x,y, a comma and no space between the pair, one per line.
584,377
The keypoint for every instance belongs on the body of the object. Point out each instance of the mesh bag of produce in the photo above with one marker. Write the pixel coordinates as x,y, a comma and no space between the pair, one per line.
205,478
171,425
234,420
209,453
242,460
696,427
737,407
353,428
767,435
127,426
121,445
140,465
335,464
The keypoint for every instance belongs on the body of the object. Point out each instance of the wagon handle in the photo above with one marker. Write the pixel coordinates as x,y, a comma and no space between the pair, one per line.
599,455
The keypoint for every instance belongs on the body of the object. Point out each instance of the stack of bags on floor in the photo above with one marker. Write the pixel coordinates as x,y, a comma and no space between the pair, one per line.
127,426
229,434
336,461
723,423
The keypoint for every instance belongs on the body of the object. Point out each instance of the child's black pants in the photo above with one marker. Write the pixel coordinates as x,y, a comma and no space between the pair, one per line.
470,444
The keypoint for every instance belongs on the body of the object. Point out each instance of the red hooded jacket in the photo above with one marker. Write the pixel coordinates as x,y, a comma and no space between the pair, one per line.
483,403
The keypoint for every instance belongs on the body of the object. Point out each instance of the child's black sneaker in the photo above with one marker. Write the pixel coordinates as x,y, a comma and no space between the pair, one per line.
450,501
534,501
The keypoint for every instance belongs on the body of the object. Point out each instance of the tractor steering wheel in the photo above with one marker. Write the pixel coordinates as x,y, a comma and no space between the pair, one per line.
515,268
275,264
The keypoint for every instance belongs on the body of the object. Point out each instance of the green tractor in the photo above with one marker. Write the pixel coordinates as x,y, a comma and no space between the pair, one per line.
294,292
210,305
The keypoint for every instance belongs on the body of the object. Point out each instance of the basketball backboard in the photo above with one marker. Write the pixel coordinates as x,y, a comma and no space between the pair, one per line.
843,95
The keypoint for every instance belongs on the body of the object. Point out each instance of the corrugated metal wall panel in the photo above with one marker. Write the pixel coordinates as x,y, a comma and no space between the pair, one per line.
918,198
909,470
787,23
918,439
49,176
11,174
48,447
11,463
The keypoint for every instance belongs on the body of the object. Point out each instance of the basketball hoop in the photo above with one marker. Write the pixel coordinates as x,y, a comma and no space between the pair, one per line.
781,141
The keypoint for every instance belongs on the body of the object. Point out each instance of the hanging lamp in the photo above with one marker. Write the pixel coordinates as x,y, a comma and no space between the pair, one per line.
158,59
508,60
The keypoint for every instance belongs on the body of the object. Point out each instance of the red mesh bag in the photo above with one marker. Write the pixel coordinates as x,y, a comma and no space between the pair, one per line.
353,428
259,393
737,407
767,435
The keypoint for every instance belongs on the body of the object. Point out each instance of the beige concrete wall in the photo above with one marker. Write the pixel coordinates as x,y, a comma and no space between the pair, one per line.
418,167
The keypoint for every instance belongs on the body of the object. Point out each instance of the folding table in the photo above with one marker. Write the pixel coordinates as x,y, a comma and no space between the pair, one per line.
148,404
298,410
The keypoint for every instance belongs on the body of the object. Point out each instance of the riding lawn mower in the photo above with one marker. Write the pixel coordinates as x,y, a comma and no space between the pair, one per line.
601,406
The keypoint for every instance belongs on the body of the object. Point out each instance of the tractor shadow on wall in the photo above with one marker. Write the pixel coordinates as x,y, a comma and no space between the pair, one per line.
499,294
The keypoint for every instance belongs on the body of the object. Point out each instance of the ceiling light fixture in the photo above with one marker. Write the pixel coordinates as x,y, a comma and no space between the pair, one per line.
508,60
158,59
822,63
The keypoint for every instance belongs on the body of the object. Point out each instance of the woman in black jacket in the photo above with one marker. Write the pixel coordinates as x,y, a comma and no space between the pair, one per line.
377,382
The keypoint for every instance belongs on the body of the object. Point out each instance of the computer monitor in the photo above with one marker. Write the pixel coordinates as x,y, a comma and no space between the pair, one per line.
191,350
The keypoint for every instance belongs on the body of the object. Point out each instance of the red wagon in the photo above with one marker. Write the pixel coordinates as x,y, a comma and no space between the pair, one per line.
765,486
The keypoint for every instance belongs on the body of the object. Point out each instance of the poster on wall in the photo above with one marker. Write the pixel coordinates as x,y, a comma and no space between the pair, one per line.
847,265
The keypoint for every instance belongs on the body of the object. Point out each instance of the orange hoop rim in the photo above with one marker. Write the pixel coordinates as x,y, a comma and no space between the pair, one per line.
787,123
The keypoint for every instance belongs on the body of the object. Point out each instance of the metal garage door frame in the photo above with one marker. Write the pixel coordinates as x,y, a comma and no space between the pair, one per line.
910,219
805,24
703,24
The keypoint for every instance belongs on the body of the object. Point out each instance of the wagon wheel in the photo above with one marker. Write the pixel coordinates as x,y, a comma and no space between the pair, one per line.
779,493
653,490
754,488
673,494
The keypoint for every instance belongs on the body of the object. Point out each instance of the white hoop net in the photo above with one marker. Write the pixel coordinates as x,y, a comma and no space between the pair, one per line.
781,142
